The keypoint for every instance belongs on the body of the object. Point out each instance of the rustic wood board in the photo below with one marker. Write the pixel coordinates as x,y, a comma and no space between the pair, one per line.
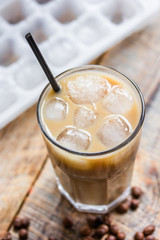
138,58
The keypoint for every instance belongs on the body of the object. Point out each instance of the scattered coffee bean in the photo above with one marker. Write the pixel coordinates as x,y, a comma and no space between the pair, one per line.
7,236
85,231
68,222
91,220
150,237
121,236
134,204
101,230
111,237
52,238
88,238
113,229
123,207
23,234
136,192
17,224
139,236
149,229
25,222
105,227
99,220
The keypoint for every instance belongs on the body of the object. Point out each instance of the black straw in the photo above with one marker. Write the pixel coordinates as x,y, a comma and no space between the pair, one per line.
42,62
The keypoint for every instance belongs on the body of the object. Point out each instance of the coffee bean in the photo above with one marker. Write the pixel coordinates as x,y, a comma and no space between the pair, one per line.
7,236
105,227
99,220
85,231
134,204
121,235
149,229
52,238
23,234
25,222
111,237
102,230
17,224
139,236
123,207
68,222
113,229
91,220
88,238
136,192
150,237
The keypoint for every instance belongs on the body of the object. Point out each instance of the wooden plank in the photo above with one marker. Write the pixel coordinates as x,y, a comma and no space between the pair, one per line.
23,154
139,59
46,207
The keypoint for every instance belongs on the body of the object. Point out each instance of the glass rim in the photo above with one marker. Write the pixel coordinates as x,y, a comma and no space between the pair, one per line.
91,154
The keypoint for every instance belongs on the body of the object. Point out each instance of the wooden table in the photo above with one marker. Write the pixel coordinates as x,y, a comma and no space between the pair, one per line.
27,180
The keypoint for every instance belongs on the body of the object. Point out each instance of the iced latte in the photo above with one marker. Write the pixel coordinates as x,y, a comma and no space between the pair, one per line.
92,129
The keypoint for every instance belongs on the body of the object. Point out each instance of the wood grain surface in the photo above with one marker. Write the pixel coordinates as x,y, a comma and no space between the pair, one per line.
23,154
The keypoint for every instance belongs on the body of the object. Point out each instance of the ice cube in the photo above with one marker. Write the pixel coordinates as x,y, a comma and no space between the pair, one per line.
114,130
118,101
84,117
87,89
74,138
56,109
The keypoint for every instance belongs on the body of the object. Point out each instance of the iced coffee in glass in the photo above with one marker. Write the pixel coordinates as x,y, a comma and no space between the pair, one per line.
92,128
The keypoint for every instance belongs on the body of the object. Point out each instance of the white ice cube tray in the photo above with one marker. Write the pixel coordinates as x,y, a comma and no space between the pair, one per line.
69,33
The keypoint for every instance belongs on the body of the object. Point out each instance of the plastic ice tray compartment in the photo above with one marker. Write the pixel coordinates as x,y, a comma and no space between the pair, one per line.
70,33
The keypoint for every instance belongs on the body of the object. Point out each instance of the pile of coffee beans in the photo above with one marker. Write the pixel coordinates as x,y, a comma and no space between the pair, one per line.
101,227
96,226
146,233
21,225
131,202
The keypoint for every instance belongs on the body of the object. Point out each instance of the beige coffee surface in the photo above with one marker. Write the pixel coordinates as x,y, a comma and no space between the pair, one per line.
54,128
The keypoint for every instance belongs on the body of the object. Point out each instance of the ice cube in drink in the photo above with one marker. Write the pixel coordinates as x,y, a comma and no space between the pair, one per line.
74,138
56,109
114,130
87,89
84,117
119,100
